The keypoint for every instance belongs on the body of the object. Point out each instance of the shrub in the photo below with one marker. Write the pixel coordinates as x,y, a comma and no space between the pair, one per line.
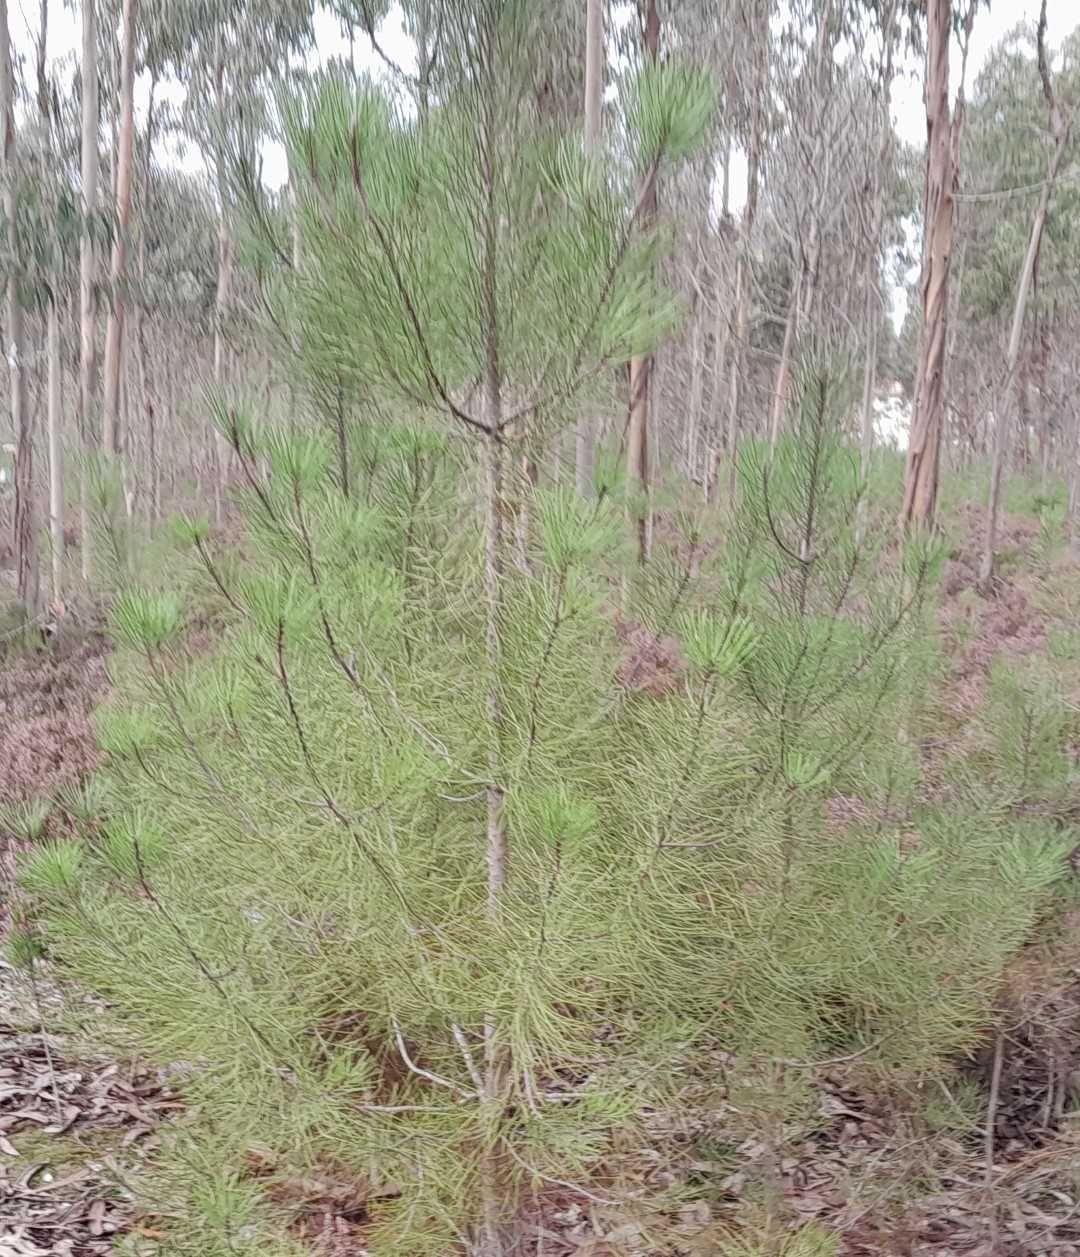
290,893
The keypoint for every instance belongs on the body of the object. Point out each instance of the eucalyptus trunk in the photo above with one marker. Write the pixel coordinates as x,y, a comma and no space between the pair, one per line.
22,419
872,294
52,336
497,1066
585,435
56,447
783,368
90,164
224,283
924,442
114,332
737,358
637,452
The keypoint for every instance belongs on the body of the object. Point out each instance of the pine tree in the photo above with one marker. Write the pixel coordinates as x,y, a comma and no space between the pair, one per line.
406,871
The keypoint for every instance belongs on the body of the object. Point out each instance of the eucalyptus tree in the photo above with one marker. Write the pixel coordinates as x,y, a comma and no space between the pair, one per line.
123,158
741,50
641,366
595,59
228,53
90,161
54,284
1003,182
1060,115
939,216
22,417
880,172
816,136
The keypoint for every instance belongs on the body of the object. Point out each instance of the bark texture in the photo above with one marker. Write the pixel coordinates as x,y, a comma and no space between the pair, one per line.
594,97
637,438
22,419
114,334
924,442
90,170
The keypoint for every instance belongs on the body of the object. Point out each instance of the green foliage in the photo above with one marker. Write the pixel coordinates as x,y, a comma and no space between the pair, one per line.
292,882
53,870
25,821
713,646
145,620
84,802
288,886
670,111
24,948
410,278
1028,722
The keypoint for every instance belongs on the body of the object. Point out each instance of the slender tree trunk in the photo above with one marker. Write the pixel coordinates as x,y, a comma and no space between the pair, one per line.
716,435
52,333
56,448
924,441
224,283
423,57
22,420
737,361
114,332
783,369
585,435
221,295
637,452
736,366
697,389
497,1063
1059,126
143,368
877,219
87,262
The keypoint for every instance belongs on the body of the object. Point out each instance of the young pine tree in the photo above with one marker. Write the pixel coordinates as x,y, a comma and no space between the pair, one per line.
414,887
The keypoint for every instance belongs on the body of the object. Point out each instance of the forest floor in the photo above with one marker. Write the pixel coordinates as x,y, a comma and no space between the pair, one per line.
998,1172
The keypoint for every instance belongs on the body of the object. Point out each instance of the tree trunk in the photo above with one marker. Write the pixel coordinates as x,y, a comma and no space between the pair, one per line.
697,389
224,282
114,333
783,369
715,431
143,369
737,363
924,442
424,58
52,334
56,449
877,219
497,1065
637,452
585,435
22,421
87,261
873,312
1059,127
